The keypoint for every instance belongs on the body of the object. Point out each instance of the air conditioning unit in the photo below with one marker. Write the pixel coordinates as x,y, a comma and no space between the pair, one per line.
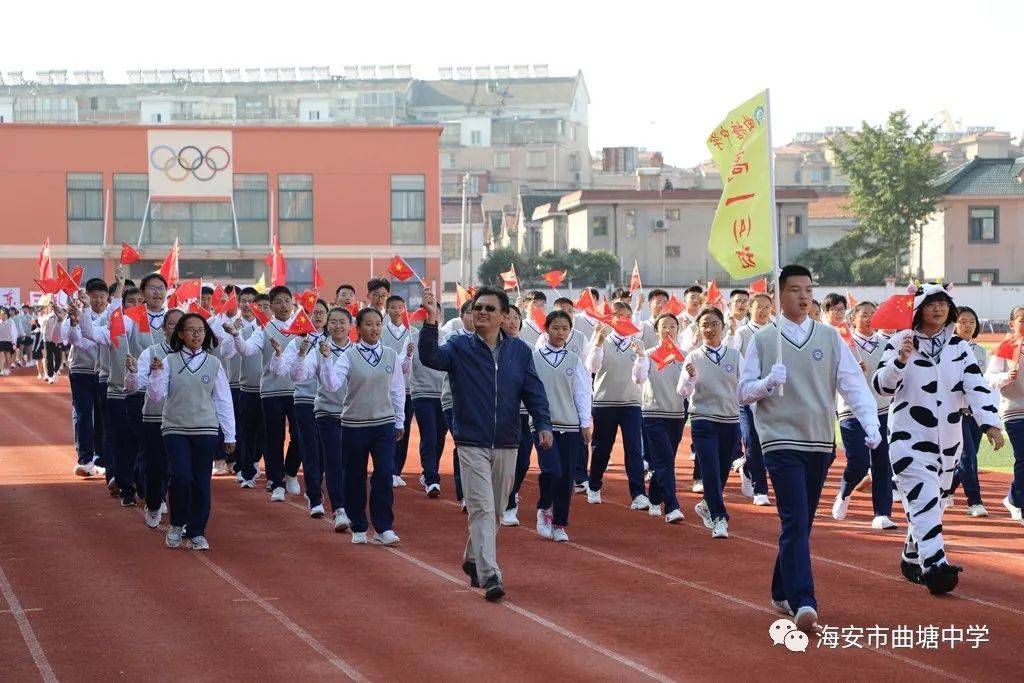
659,225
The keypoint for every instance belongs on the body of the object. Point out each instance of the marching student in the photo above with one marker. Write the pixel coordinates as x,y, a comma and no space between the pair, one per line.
83,377
398,336
616,406
284,362
816,310
153,451
834,308
690,339
512,326
251,432
739,305
425,388
372,421
797,430
530,332
564,303
24,323
753,477
656,300
8,341
710,382
1004,375
664,417
206,297
859,459
931,375
378,290
51,322
567,386
276,397
448,403
344,296
967,328
192,384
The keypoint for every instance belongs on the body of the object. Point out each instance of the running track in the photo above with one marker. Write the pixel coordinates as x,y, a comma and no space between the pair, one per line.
90,593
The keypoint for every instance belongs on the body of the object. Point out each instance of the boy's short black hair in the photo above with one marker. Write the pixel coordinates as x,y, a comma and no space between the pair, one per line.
467,306
832,299
564,300
392,298
207,289
693,289
248,290
621,292
130,291
377,283
738,292
792,270
536,295
656,292
96,285
341,287
152,276
276,291
261,297
491,291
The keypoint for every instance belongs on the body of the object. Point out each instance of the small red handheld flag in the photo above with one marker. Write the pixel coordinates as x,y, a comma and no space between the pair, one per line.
44,262
169,268
416,316
138,316
634,279
189,289
261,317
128,254
851,303
625,327
353,334
666,353
895,313
217,300
277,265
555,278
318,279
714,295
1009,349
301,325
199,310
117,329
400,268
68,283
509,279
353,308
307,300
49,285
462,295
585,303
230,305
538,317
674,306
844,331
758,286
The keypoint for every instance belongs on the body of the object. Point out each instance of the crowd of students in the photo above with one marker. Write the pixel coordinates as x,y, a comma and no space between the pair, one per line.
164,399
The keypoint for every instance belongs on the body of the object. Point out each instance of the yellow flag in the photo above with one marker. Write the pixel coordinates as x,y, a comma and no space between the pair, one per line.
742,232
261,285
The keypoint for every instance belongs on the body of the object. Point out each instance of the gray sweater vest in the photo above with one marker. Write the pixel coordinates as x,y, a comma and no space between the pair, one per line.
558,385
870,361
251,366
658,394
154,411
305,391
84,361
329,403
424,382
271,384
613,383
189,409
715,395
804,418
368,398
115,380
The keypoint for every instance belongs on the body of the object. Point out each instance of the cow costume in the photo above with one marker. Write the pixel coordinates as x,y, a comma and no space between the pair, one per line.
940,378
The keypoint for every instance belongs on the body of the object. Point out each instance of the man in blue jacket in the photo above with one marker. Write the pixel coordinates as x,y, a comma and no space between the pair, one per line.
490,375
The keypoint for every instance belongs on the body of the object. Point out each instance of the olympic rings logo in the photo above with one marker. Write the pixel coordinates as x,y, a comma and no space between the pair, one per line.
189,161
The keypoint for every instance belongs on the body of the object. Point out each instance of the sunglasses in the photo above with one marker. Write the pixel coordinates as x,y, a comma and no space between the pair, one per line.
485,307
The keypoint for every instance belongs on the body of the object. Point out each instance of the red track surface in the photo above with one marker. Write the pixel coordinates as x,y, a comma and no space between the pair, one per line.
90,593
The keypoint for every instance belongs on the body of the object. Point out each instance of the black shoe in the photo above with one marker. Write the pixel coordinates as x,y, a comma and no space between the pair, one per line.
493,589
128,502
941,579
470,569
911,572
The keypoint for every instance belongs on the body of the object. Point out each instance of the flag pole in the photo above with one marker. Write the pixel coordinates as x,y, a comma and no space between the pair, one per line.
776,247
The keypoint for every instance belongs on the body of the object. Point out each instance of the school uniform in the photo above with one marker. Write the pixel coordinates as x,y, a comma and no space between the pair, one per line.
567,386
137,397
967,470
689,340
530,333
251,431
196,410
797,433
9,338
584,324
398,337
153,452
303,398
83,375
616,406
1011,409
754,465
371,412
664,418
425,387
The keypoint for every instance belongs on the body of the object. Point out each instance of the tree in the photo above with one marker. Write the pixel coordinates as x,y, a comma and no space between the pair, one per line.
498,261
890,169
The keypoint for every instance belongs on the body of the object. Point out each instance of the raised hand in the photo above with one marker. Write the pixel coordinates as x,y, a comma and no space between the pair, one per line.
276,345
325,350
230,329
430,303
156,365
130,364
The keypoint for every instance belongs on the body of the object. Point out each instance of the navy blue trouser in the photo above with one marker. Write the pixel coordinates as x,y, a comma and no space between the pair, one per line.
859,458
455,455
607,421
798,478
83,403
967,469
433,427
250,433
190,461
754,466
232,458
402,446
715,443
125,417
522,459
102,436
329,430
312,455
276,410
557,465
358,445
663,437
156,464
1015,430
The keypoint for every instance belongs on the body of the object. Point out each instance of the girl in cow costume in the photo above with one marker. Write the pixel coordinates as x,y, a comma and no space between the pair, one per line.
931,374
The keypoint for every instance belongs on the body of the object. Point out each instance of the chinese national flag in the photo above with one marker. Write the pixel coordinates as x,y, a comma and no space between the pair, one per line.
419,315
218,298
44,262
555,278
230,305
172,300
714,295
169,268
189,289
400,268
585,303
138,316
49,285
68,283
634,279
308,300
276,263
758,286
851,303
538,317
199,310
318,279
1009,349
509,280
117,329
128,254
674,306
625,327
353,334
844,331
895,313
462,295
603,312
301,325
353,308
666,353
261,317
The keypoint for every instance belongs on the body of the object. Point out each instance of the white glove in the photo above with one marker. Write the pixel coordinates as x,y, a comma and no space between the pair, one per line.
777,376
873,440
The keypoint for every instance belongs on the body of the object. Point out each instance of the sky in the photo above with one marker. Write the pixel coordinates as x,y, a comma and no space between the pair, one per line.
660,74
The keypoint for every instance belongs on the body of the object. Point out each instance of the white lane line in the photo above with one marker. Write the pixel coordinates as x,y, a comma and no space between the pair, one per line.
24,610
536,618
27,634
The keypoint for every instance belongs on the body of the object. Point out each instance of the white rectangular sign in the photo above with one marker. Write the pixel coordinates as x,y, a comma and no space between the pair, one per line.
10,296
190,163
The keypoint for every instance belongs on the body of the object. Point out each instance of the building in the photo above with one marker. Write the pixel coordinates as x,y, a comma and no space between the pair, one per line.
348,197
829,219
665,232
461,251
977,236
633,168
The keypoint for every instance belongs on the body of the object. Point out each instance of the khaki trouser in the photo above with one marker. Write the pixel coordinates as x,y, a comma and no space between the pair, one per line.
486,482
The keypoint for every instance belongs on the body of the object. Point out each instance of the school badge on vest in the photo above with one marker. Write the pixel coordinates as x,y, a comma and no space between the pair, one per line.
206,379
388,369
568,372
817,354
728,368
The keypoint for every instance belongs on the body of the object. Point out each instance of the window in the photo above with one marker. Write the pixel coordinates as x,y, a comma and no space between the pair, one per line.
85,208
408,210
502,160
204,223
826,174
574,162
449,288
451,247
499,187
572,132
91,267
672,214
447,160
295,208
599,226
536,159
672,251
131,191
300,274
815,175
314,115
251,198
975,277
797,176
475,137
983,224
630,222
794,225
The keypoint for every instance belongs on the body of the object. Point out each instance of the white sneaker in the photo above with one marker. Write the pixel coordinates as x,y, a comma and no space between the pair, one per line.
762,499
674,517
220,468
698,486
239,478
654,510
579,488
947,503
389,537
806,617
423,481
593,497
544,528
152,518
462,506
721,529
702,511
317,511
86,470
291,485
198,543
558,535
341,520
359,537
648,475
248,483
510,518
782,607
977,511
883,522
173,537
746,484
277,495
840,507
163,507
433,491
640,503
397,482
1013,509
